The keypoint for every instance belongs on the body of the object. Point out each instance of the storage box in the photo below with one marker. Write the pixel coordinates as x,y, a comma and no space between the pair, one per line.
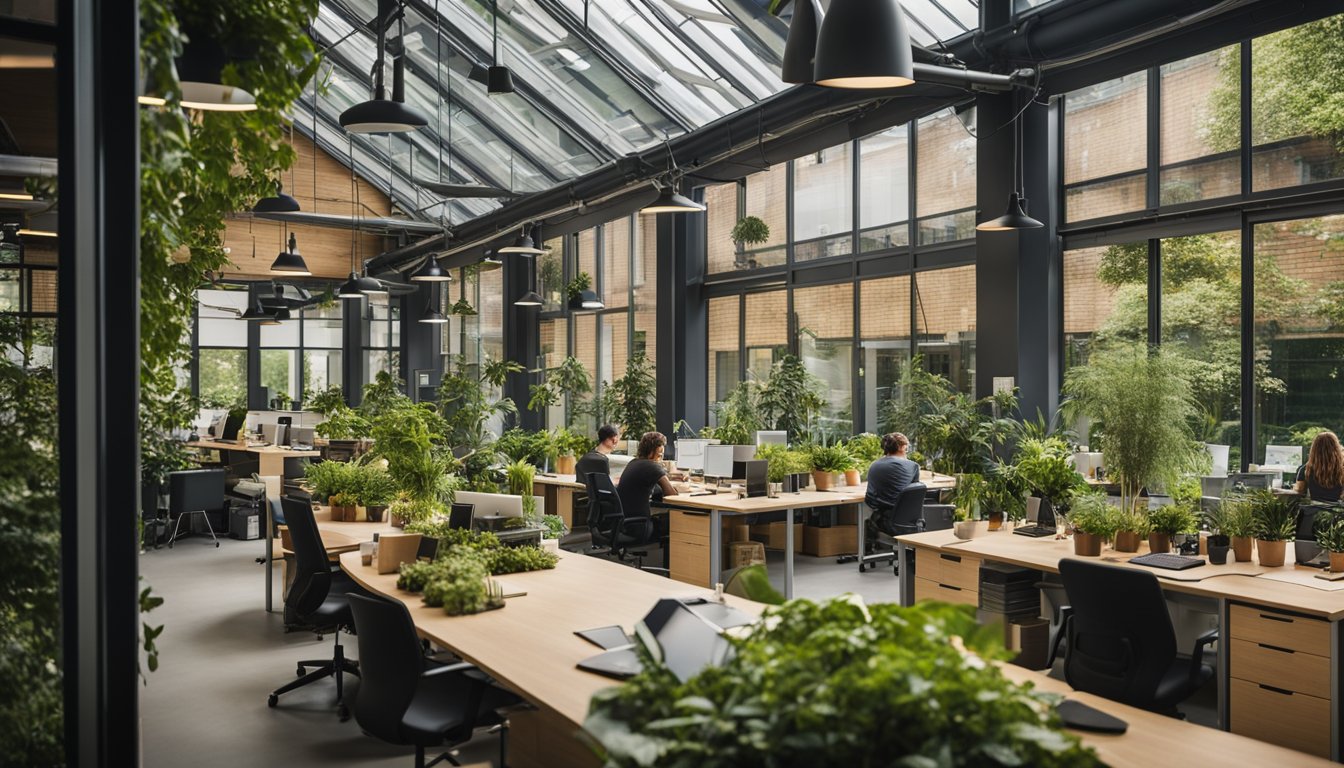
734,531
773,535
848,515
744,553
245,523
829,542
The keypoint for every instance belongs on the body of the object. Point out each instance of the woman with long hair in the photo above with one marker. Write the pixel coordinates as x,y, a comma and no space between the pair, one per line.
1322,477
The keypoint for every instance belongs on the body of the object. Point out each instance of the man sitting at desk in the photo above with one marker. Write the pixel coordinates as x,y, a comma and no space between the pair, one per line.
644,475
890,474
596,461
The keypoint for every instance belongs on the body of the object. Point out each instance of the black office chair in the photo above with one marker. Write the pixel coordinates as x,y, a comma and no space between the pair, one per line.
612,531
317,598
191,491
406,699
1121,644
461,515
910,515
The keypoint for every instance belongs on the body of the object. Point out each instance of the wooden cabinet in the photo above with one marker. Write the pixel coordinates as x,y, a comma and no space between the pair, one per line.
1280,678
688,547
947,577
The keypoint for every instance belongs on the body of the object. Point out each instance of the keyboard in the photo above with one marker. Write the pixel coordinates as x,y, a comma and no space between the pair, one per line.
1167,561
1035,531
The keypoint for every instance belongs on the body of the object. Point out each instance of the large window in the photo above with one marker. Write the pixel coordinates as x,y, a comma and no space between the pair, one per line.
1105,298
767,199
1297,76
766,333
1299,330
884,190
823,204
945,319
382,336
724,351
884,330
1106,148
281,370
1201,127
322,334
221,361
644,289
944,179
825,329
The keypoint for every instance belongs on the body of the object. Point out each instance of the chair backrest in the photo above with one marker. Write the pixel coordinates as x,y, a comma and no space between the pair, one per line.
195,490
460,516
390,664
312,570
1121,641
1248,480
605,514
908,513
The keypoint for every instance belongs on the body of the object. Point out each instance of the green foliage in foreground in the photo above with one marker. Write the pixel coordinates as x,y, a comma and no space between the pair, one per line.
835,683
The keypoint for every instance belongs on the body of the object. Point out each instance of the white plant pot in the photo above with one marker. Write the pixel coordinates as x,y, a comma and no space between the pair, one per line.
963,529
552,545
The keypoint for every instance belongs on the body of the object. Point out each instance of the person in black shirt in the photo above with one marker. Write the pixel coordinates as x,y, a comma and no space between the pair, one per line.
890,474
1322,477
596,461
643,476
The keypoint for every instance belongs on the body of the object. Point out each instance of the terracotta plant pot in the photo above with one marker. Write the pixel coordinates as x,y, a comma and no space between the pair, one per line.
1086,544
1336,562
963,529
1159,542
822,480
344,514
1271,553
1126,541
1241,548
851,477
397,521
565,465
1217,547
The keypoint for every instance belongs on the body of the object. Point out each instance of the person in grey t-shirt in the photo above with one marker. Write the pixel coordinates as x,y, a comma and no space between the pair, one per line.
889,475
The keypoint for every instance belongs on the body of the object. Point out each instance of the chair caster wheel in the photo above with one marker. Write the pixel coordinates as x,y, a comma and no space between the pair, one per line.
216,545
343,712
272,700
860,567
300,672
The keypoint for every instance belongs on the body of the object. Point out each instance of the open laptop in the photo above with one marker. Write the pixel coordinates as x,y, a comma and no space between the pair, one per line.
686,634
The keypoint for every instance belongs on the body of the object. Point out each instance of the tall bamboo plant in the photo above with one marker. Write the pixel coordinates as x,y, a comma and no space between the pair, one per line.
1142,403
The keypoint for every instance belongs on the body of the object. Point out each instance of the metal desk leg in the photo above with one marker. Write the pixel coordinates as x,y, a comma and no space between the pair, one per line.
863,534
905,575
1223,674
270,552
788,554
715,547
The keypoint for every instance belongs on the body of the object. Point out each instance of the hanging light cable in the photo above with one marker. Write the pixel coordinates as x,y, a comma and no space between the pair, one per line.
669,200
1015,217
350,288
498,78
380,114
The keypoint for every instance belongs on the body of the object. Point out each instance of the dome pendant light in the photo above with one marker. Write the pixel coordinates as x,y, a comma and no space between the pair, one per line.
489,264
350,288
1016,216
200,72
258,314
380,115
672,202
498,79
432,316
800,50
864,44
529,299
277,203
431,272
371,285
523,245
290,262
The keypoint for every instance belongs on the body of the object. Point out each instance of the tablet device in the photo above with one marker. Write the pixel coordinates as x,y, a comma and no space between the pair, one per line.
1080,716
606,638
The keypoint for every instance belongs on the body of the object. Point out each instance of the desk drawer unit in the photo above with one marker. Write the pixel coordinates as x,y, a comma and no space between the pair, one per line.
1280,678
688,543
948,577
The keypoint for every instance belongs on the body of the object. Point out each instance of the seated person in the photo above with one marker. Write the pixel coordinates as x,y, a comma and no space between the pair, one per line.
890,474
645,475
1322,477
596,461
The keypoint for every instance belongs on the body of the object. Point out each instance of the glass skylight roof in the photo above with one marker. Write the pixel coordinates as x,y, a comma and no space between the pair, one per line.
596,80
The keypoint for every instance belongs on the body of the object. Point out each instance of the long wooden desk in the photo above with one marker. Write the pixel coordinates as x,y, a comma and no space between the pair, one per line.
530,646
1280,656
558,491
270,458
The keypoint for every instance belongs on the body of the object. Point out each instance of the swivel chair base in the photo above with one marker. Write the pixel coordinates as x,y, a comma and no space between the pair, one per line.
336,667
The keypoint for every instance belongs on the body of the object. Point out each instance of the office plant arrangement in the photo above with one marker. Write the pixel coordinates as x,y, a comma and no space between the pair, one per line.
1330,535
1043,468
838,683
1275,523
790,399
567,382
826,461
1093,523
630,400
1131,527
738,415
1236,519
1167,521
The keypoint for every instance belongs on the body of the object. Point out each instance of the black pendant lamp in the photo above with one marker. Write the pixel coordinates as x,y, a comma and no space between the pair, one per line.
258,314
670,201
379,114
529,299
277,203
498,79
489,263
800,50
371,285
432,316
1016,216
200,73
523,245
864,44
587,301
289,262
431,272
479,73
350,288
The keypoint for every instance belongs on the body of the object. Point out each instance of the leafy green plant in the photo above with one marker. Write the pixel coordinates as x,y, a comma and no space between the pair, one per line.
956,431
1090,513
830,458
343,500
518,478
782,462
326,401
375,485
469,400
970,493
567,381
630,400
1006,491
416,510
1172,519
1130,520
505,560
413,577
554,526
344,423
327,478
1233,516
1275,515
1043,467
738,415
462,584
1331,535
790,398
1142,401
569,442
865,448
909,696
750,230
581,282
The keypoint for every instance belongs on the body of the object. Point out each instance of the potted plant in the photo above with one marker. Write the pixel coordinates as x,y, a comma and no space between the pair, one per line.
963,525
738,417
865,448
750,230
582,282
1131,527
969,494
1093,523
1274,524
631,399
1141,400
377,488
1043,467
1218,542
553,530
1167,521
1237,522
344,507
1331,538
826,461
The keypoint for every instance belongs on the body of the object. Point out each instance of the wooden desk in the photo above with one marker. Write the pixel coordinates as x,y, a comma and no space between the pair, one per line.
270,458
558,491
1280,656
530,647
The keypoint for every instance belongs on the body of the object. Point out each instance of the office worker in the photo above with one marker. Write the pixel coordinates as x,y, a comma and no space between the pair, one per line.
596,460
645,475
890,474
1322,477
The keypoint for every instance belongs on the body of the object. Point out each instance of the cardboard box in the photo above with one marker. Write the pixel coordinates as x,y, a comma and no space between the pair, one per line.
773,535
743,553
829,542
734,531
848,515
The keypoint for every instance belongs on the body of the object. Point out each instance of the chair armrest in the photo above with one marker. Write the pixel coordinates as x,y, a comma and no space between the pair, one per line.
1197,655
461,666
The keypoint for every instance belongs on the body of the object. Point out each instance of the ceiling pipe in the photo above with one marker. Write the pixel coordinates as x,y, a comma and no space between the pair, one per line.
23,165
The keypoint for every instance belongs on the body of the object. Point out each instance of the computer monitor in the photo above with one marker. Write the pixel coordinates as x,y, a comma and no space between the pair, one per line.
302,436
231,426
691,453
491,504
771,437
217,426
755,476
1283,456
719,461
273,433
1219,455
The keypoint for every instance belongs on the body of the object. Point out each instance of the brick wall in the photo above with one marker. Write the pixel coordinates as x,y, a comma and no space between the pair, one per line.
945,165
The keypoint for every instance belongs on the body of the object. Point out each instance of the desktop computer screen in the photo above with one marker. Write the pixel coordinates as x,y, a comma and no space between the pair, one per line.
691,454
274,433
719,461
772,437
302,436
